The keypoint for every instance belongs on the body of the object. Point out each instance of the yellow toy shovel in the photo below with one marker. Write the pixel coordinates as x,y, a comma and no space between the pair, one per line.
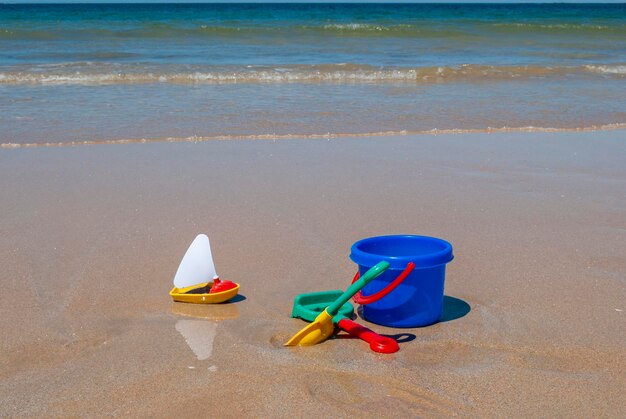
322,327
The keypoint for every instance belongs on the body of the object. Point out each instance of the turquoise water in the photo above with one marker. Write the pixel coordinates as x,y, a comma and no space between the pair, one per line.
97,72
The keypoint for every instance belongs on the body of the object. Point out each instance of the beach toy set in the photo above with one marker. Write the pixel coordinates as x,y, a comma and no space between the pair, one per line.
404,278
308,306
329,309
399,283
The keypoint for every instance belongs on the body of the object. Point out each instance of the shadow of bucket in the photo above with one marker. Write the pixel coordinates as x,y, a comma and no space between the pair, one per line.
418,300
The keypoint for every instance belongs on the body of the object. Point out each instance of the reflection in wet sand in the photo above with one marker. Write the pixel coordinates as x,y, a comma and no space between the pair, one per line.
206,311
199,335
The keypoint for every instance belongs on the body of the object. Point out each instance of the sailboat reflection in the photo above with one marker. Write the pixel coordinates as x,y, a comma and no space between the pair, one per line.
199,333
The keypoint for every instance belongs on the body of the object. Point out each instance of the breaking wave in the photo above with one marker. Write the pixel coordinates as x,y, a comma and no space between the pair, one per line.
608,69
105,74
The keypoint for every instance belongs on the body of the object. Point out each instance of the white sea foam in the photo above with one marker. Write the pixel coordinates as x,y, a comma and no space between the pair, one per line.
357,27
607,69
89,74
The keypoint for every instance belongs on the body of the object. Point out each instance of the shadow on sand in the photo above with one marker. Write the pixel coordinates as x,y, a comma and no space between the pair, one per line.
453,308
237,298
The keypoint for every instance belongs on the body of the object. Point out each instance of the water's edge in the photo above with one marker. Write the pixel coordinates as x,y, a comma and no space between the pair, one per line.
197,139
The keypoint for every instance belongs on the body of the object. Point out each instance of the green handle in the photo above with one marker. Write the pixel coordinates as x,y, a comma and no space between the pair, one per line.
367,277
339,317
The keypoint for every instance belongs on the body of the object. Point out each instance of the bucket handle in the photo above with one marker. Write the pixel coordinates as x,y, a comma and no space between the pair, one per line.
359,298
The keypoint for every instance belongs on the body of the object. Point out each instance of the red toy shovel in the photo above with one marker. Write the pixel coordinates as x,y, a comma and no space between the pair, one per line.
378,343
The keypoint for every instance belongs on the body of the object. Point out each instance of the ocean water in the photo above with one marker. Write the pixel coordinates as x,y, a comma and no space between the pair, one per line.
89,73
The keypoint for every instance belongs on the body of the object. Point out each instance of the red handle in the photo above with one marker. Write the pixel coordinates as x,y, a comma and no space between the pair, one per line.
378,343
359,298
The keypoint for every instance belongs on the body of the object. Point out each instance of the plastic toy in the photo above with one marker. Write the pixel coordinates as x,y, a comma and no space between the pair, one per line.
322,327
196,280
378,343
308,306
201,294
418,265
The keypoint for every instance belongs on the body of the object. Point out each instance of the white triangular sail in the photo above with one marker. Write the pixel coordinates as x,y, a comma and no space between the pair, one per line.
197,265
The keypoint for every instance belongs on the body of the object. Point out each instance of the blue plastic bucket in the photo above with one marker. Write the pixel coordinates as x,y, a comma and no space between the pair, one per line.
418,300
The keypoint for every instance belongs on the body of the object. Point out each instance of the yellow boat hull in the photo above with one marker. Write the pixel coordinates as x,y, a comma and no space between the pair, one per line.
182,294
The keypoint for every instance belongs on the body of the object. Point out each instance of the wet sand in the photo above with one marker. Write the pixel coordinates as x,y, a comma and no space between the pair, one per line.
91,236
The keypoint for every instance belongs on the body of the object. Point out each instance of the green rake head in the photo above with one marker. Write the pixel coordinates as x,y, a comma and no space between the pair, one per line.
308,306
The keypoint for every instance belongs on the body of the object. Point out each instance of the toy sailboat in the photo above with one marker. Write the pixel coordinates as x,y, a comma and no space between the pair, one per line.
196,280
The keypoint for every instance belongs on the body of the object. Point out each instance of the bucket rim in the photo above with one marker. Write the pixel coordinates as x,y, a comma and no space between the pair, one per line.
424,260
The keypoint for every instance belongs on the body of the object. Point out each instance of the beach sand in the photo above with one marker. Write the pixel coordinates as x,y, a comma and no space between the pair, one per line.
91,236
